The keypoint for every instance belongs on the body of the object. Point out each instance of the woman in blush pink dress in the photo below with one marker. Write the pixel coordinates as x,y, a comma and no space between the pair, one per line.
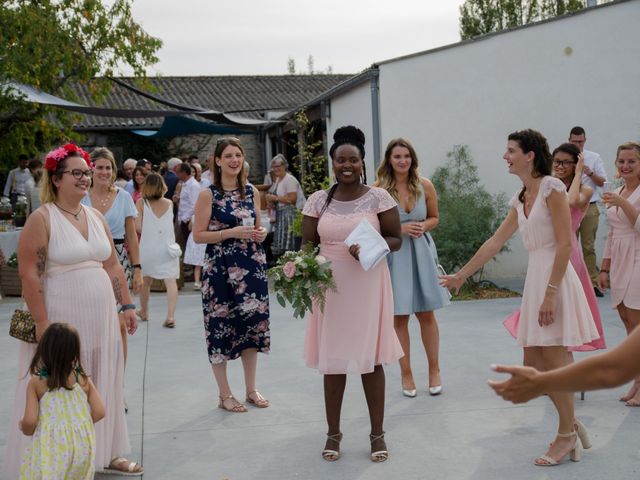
554,313
568,164
621,259
354,334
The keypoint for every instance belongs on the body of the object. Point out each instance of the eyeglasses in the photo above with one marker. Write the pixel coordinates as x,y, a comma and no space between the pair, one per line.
563,163
78,174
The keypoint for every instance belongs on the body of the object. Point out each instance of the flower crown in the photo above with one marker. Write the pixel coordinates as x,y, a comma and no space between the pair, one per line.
55,156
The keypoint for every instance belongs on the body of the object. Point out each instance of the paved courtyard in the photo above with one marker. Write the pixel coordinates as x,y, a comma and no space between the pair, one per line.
467,433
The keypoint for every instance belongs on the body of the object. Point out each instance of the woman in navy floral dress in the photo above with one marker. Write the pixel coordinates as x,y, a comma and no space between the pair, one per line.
235,297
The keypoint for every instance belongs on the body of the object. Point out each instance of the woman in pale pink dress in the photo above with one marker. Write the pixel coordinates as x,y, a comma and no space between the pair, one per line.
554,312
70,273
621,259
568,164
355,332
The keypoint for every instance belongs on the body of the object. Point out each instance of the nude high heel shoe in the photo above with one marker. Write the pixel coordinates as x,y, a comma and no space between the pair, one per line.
583,435
575,454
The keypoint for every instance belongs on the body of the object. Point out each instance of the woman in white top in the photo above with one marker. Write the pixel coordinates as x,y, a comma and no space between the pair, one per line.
160,254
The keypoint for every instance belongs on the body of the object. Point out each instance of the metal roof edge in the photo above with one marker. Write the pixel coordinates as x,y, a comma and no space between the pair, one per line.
501,32
349,83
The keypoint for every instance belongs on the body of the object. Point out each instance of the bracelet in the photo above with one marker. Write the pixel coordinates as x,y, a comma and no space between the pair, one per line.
126,306
591,174
552,286
604,271
136,265
220,231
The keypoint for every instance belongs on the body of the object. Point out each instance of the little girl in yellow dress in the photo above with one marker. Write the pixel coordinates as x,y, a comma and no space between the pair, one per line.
56,412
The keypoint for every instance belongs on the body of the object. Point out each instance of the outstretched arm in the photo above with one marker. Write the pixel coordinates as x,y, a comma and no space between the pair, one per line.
606,370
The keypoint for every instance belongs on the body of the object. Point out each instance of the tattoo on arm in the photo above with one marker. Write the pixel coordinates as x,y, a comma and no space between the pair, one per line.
41,263
116,290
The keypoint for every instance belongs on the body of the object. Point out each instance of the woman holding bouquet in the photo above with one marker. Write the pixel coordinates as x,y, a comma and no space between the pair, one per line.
352,337
414,268
235,298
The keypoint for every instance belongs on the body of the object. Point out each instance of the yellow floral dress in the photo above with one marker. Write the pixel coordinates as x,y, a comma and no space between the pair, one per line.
64,443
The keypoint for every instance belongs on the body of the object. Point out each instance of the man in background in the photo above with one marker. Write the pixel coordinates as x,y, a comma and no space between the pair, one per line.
17,180
594,176
127,167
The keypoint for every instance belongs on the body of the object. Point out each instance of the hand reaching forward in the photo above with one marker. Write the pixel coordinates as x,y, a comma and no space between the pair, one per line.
452,282
523,385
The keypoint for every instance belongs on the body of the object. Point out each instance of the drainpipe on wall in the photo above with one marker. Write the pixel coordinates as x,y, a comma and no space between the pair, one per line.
375,116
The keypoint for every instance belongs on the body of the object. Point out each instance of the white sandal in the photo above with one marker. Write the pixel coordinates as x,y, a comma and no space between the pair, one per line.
130,470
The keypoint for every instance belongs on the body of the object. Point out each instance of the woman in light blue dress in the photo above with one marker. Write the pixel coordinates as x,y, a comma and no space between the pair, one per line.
414,268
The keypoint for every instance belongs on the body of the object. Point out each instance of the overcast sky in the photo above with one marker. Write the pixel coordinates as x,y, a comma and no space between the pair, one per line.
226,37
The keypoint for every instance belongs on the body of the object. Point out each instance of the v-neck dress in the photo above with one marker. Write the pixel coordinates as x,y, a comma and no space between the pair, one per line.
77,290
623,248
573,323
414,268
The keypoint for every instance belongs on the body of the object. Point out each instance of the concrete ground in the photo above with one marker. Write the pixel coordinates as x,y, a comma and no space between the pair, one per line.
467,433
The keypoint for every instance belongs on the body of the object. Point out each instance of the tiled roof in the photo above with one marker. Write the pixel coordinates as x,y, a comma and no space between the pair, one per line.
248,96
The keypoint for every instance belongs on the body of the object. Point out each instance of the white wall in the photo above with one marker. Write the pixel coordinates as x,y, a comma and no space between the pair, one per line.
477,93
354,108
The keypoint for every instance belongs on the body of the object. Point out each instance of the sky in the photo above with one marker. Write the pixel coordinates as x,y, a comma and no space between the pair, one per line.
257,37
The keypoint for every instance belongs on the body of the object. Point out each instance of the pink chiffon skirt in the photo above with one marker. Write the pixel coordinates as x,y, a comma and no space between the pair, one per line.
355,332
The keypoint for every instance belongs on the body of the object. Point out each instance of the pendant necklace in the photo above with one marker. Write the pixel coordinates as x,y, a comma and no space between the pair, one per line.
75,215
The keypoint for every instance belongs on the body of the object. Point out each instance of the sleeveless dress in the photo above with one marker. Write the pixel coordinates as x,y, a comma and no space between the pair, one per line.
623,248
121,208
577,260
414,268
235,295
78,291
355,332
64,443
573,325
156,236
194,252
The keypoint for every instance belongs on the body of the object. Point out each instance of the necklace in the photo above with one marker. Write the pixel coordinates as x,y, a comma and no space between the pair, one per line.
103,201
75,215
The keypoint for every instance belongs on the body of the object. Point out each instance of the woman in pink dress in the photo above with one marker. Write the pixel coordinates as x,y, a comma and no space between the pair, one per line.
568,164
621,259
354,334
554,313
71,274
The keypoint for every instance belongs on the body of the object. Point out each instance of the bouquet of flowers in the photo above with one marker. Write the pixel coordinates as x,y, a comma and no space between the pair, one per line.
300,278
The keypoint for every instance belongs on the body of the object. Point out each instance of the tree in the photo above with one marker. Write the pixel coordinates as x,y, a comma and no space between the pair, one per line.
468,213
479,17
51,44
291,66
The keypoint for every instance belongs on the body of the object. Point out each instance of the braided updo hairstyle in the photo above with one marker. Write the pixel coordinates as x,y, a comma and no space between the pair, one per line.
347,135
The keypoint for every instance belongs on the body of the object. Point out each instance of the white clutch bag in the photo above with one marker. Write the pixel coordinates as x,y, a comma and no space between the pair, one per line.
373,248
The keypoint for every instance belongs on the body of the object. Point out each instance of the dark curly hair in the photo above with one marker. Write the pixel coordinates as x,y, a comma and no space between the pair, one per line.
533,141
347,135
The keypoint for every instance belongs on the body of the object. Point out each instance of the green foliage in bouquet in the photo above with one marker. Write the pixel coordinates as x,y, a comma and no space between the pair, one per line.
300,278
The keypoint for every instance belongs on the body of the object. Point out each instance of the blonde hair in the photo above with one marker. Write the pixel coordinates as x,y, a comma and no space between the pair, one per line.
629,146
48,191
103,153
153,187
386,175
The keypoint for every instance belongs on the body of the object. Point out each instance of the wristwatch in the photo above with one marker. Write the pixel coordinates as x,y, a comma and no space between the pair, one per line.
136,265
127,306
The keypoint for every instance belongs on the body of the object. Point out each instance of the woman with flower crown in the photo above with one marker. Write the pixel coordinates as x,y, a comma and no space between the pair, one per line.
71,273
